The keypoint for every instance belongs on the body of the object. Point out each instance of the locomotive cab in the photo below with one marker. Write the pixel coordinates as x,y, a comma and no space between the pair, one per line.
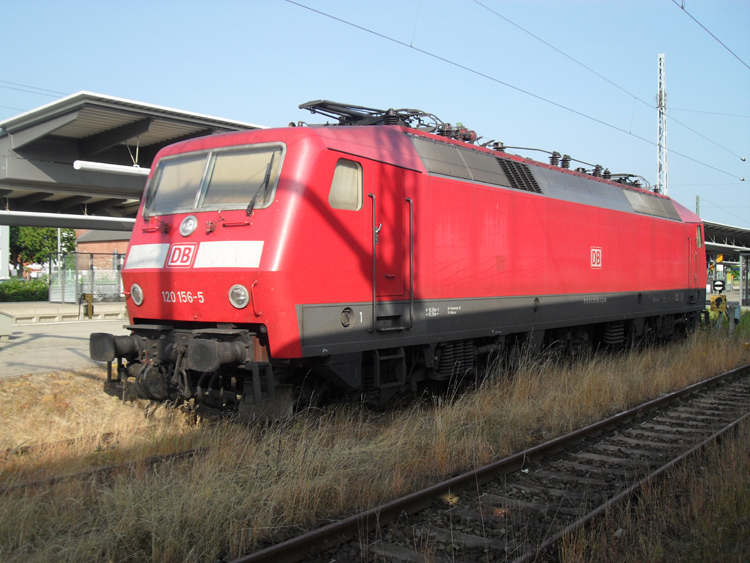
195,323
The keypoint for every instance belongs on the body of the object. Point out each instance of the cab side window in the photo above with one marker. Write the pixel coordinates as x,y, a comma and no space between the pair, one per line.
346,188
698,237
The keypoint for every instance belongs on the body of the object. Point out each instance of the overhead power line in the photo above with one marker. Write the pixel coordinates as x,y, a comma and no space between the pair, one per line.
705,184
592,71
724,209
41,90
709,112
28,91
682,7
498,81
8,107
742,158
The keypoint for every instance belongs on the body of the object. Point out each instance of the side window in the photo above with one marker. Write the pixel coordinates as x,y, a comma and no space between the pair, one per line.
346,188
698,238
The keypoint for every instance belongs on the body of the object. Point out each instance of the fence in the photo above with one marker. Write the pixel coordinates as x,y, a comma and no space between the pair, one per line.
75,273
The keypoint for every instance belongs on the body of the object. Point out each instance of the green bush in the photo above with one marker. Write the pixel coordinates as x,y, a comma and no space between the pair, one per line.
744,327
24,290
741,330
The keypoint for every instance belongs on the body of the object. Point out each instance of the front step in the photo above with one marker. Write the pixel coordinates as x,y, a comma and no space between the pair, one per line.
389,323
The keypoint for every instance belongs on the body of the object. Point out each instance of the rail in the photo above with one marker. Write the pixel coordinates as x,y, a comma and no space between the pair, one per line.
336,533
106,470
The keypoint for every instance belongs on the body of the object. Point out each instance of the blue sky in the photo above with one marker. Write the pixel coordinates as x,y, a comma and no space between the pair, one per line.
256,61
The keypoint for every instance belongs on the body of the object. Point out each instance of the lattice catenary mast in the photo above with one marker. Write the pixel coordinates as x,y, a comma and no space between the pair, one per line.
661,105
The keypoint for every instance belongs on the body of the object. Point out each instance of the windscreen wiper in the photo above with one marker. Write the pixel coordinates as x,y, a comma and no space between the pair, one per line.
263,184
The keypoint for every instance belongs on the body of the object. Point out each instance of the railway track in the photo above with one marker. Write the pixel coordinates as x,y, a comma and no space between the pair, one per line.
104,471
518,508
98,440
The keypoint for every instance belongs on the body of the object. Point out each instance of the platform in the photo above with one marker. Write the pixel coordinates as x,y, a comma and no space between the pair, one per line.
33,312
48,346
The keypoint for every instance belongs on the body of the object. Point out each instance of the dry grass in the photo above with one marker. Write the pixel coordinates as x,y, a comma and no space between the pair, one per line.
68,412
699,512
258,483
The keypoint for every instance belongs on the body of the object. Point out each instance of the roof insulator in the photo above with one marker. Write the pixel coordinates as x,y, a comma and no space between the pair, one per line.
390,118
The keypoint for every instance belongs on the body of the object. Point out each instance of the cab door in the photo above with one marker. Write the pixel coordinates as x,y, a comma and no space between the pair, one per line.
367,210
384,191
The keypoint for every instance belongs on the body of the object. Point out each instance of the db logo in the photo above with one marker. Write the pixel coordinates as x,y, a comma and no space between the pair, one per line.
596,257
181,255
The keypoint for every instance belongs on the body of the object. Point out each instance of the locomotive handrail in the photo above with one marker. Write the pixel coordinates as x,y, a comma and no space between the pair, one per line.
375,230
411,262
252,298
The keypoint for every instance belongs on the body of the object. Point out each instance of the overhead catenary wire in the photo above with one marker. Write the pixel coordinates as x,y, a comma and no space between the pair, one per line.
28,91
724,209
498,81
709,112
592,71
9,107
33,88
742,158
564,54
704,184
682,7
416,18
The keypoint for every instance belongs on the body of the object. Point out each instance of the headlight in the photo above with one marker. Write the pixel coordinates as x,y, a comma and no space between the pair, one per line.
239,296
188,225
136,293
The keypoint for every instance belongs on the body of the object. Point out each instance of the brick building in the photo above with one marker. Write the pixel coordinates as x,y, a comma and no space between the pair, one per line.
102,242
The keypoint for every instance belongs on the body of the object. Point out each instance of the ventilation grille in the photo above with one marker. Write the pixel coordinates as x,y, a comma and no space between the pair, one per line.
449,160
519,175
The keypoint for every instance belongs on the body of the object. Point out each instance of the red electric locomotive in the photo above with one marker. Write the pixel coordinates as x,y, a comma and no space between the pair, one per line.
384,251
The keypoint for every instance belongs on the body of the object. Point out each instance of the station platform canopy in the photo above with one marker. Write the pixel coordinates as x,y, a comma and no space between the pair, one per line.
726,240
39,185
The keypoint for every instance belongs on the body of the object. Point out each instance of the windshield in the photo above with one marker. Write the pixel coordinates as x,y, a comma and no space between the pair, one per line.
220,179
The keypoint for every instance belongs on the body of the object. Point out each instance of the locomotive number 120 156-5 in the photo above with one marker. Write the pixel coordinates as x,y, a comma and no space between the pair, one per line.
181,296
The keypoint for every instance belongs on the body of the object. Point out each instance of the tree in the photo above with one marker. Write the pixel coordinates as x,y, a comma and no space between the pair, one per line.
35,244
